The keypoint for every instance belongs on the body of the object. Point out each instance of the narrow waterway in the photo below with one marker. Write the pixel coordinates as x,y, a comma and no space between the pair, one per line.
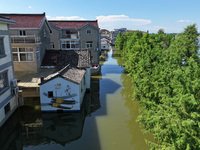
107,120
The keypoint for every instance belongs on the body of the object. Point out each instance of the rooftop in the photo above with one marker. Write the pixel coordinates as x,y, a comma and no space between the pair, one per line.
70,24
25,20
69,73
62,58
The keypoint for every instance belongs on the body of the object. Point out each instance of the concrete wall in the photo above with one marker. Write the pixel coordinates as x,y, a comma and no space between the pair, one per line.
55,38
94,37
6,65
45,40
88,80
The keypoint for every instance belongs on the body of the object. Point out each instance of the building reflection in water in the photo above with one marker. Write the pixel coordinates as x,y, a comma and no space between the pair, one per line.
10,134
29,127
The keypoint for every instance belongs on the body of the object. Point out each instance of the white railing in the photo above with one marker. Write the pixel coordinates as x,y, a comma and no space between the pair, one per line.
25,39
70,36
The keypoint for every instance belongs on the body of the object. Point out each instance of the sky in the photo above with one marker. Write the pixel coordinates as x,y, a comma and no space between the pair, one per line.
145,15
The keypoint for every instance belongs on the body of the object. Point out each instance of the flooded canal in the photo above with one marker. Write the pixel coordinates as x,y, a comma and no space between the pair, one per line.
106,121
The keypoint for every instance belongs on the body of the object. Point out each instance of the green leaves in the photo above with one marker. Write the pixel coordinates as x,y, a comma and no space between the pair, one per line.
165,73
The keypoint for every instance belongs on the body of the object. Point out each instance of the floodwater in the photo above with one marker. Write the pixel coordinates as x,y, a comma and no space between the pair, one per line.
107,120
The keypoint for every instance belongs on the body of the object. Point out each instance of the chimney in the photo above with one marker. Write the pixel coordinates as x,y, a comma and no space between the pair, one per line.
42,79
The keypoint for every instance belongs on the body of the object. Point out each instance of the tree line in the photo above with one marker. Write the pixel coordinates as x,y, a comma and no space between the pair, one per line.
165,73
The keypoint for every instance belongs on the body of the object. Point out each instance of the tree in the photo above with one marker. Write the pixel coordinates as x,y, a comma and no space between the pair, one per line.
165,73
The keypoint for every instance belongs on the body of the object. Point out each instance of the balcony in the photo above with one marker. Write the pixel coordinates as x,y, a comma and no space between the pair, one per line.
30,39
70,36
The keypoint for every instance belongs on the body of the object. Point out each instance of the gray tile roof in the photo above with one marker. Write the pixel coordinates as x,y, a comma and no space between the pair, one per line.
70,64
76,58
61,58
69,73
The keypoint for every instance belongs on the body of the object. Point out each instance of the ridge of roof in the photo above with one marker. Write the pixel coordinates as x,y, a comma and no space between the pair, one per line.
21,14
72,20
72,24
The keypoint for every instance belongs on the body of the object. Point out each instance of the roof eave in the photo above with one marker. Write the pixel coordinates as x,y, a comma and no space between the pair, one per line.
2,20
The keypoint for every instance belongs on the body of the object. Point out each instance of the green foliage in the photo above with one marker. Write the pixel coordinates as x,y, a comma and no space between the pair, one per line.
165,72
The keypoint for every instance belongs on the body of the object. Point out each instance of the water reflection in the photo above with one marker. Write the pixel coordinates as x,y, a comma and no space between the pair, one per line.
106,121
28,128
10,134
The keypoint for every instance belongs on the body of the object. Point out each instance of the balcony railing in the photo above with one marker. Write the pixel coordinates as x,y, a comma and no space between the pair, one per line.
25,39
70,36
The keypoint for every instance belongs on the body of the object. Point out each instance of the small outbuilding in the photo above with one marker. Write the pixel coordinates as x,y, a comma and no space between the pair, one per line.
64,90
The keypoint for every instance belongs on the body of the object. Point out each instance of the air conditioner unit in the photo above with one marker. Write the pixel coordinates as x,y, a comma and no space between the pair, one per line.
14,83
15,90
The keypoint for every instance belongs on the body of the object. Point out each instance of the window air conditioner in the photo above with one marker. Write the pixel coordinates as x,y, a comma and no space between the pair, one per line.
14,83
15,90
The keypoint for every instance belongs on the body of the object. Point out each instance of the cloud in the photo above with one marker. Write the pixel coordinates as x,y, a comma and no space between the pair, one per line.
118,21
110,22
29,7
183,21
65,18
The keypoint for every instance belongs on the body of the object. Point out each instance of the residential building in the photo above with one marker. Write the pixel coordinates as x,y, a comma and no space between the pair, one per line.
30,36
105,33
77,35
65,89
8,85
113,34
104,44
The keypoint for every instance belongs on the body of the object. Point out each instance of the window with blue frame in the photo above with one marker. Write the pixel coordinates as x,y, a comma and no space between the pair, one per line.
3,81
2,49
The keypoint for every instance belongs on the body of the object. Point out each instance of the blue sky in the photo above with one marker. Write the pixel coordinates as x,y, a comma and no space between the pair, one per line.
171,15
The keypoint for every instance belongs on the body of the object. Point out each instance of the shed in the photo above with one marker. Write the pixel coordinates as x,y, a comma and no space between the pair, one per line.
63,90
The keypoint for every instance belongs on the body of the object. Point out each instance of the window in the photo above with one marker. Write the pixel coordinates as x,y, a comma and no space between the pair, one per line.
50,94
22,32
45,33
89,44
70,44
89,31
38,54
3,81
22,54
7,108
52,45
2,51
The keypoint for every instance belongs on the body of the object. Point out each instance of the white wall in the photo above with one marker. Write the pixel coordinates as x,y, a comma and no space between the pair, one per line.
7,47
84,86
59,86
7,95
3,26
13,105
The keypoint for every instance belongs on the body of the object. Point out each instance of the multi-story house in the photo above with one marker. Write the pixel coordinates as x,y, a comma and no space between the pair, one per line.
76,35
105,33
113,34
30,37
8,85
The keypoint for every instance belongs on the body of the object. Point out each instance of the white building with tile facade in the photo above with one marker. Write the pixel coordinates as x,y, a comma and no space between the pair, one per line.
8,85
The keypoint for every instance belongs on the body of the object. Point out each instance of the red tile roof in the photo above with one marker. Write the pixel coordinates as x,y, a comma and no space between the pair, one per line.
73,24
25,20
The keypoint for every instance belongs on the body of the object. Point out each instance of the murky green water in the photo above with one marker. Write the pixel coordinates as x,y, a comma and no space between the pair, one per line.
106,122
